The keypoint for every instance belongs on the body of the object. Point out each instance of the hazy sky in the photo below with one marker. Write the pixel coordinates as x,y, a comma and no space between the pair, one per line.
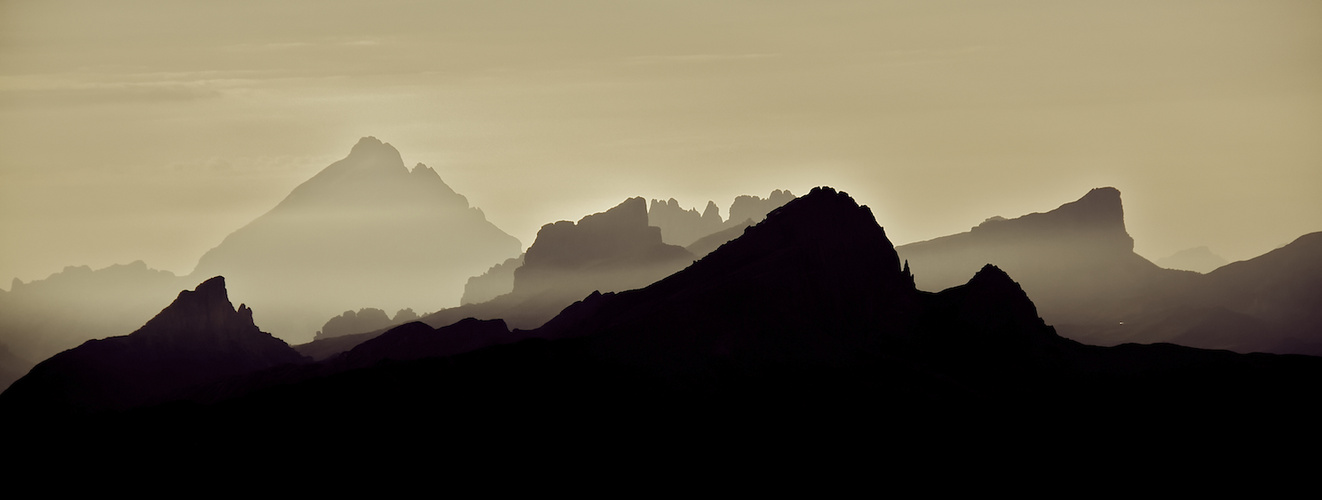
151,129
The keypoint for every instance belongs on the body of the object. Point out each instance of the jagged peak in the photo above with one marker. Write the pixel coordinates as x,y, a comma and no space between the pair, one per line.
712,211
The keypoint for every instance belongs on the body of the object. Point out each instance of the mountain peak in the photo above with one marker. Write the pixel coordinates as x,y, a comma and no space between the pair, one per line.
371,152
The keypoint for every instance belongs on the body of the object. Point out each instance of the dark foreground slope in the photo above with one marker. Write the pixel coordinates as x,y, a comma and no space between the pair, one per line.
806,329
200,338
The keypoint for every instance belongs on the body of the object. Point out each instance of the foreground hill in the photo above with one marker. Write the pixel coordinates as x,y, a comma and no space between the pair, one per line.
1079,265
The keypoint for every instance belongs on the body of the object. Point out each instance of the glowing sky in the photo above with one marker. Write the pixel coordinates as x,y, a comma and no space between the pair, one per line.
151,129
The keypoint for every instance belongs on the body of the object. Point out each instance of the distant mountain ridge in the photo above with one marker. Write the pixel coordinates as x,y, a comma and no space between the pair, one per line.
1078,263
1197,259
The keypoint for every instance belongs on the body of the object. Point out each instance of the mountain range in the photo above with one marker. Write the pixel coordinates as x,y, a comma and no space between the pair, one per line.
807,327
791,303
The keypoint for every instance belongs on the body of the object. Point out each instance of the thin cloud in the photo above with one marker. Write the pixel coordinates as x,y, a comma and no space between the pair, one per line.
697,58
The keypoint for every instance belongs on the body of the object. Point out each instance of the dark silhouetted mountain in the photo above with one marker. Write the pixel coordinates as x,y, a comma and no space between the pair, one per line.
365,231
683,227
497,281
197,339
1198,259
1078,263
44,317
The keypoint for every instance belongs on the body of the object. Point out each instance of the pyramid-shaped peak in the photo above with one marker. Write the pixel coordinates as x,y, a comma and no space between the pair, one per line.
991,276
369,144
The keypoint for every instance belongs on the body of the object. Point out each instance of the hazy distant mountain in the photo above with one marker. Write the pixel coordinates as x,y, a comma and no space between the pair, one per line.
43,317
608,251
1271,303
1078,263
1198,259
363,320
806,324
197,339
683,227
364,232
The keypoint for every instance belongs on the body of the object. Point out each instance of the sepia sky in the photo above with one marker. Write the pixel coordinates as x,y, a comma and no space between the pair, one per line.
151,129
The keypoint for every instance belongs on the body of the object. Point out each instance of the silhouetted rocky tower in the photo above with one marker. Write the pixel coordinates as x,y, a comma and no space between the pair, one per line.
364,232
197,339
612,250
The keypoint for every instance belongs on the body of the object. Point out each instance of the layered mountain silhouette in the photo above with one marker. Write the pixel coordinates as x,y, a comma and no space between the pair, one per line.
1078,263
364,232
43,317
198,339
808,326
608,251
699,233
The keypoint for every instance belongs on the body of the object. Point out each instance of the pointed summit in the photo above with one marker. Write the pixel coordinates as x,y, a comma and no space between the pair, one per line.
364,232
